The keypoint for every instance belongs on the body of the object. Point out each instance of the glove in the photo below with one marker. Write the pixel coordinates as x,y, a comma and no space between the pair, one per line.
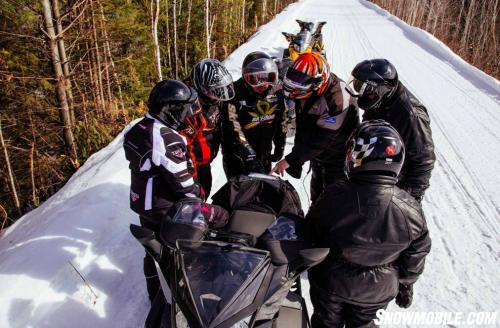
277,155
295,171
252,164
417,193
405,296
216,216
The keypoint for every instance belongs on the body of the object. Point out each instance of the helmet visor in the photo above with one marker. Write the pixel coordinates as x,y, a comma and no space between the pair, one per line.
261,78
220,93
222,90
296,80
358,88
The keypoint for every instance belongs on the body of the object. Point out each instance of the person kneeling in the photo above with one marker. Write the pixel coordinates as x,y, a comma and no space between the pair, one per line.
376,231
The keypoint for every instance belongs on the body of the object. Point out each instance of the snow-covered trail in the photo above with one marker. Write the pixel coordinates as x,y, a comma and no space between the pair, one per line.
87,221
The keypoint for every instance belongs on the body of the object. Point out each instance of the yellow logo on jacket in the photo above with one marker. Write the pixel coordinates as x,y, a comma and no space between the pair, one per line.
263,115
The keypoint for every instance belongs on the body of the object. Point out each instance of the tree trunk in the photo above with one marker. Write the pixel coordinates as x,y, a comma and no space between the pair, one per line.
176,54
61,83
243,19
207,26
64,59
468,24
167,23
98,59
9,171
188,24
107,48
155,13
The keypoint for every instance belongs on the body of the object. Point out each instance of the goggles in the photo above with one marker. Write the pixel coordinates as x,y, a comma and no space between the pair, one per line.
256,79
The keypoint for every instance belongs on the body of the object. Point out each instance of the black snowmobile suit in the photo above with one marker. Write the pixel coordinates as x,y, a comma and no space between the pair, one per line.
409,117
324,123
378,238
161,175
250,125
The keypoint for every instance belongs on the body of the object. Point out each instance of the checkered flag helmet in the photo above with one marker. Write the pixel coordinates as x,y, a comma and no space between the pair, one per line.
375,147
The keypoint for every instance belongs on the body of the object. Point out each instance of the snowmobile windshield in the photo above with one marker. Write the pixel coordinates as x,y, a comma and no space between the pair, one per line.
222,278
302,41
191,214
223,90
283,228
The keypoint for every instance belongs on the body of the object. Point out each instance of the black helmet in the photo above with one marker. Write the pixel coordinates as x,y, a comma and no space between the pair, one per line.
212,80
372,82
375,147
259,71
171,102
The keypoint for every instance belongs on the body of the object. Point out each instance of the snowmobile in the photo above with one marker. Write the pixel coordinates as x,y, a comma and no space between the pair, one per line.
243,275
308,39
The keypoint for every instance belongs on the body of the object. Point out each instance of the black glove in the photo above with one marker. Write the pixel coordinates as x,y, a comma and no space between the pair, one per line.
295,171
277,155
405,296
416,192
252,165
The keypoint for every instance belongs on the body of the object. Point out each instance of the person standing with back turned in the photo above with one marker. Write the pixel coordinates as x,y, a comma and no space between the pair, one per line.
376,231
375,85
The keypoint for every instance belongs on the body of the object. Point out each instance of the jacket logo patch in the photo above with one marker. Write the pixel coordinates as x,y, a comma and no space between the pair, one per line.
134,196
390,150
264,114
179,153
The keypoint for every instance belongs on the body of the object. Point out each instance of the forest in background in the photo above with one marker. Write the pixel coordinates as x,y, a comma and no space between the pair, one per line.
73,73
468,27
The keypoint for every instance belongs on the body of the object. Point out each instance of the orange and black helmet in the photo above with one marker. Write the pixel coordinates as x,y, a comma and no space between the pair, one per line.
309,73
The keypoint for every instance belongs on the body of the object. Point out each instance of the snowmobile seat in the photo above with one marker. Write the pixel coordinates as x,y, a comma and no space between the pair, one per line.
292,313
250,222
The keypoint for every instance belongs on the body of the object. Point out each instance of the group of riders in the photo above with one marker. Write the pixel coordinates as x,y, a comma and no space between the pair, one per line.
369,172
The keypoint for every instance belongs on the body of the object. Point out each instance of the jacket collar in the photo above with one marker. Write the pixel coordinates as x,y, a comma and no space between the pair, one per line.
373,179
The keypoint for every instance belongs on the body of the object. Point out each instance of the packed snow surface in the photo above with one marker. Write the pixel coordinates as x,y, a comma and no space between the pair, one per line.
73,263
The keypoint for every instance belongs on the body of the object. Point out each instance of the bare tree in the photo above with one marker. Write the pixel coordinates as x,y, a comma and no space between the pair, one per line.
176,56
188,25
207,26
110,56
61,82
9,171
64,58
155,13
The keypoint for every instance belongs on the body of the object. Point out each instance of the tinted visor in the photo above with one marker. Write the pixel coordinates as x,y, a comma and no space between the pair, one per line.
358,88
296,80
